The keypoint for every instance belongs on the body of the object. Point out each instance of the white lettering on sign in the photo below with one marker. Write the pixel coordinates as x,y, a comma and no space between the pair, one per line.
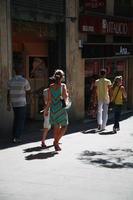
88,28
119,28
123,51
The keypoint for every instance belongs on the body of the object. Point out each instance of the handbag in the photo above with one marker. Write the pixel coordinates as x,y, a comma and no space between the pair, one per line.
66,103
63,103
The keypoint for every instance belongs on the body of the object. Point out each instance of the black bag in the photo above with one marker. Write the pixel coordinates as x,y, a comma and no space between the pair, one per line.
63,103
111,105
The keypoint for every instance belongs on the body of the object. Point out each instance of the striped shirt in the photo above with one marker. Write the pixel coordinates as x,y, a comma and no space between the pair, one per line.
17,87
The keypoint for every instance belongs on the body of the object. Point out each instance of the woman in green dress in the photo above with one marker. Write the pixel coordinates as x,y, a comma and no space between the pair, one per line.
58,113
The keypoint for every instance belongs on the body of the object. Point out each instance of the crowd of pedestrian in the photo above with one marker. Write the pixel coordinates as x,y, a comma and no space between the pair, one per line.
55,96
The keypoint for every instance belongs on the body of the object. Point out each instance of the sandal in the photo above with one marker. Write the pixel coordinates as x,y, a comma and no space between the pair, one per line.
57,147
43,145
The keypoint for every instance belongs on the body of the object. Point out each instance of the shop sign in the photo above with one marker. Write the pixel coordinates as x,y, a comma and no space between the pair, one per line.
122,51
94,5
115,27
106,50
90,24
97,25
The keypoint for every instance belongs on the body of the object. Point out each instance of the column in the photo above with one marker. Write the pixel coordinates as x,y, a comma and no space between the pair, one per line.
74,61
5,67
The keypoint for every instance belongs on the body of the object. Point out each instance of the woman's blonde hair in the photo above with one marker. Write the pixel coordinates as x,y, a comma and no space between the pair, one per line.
116,81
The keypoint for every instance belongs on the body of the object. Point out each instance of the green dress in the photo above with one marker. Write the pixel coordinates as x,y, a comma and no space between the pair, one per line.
58,115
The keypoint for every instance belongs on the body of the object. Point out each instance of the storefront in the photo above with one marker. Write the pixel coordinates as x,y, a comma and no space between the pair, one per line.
30,49
112,56
38,31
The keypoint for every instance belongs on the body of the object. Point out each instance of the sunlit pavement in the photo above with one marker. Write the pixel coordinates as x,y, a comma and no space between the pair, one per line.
92,165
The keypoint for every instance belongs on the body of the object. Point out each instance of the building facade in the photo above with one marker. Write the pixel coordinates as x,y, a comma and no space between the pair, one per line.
81,36
106,42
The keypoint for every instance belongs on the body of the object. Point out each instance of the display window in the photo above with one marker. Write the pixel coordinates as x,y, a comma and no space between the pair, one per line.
116,68
91,68
91,74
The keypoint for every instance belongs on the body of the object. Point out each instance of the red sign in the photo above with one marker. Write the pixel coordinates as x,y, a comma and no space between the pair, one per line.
95,5
114,27
97,25
90,24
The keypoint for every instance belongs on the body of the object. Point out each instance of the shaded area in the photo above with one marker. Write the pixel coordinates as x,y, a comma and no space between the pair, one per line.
34,130
111,158
91,131
41,155
107,133
38,148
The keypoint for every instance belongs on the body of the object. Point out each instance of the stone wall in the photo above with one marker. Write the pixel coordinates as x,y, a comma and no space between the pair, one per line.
5,67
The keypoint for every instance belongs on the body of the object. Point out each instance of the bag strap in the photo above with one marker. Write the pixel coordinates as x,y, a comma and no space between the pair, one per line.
62,85
117,93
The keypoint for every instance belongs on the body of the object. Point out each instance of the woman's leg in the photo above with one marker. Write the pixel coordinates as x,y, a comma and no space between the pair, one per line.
62,132
99,114
46,126
45,131
56,136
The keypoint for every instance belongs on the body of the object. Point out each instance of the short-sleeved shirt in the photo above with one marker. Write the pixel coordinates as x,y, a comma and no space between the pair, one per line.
45,93
102,85
17,87
117,96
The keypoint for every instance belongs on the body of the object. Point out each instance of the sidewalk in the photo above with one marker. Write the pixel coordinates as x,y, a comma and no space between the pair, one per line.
34,129
91,165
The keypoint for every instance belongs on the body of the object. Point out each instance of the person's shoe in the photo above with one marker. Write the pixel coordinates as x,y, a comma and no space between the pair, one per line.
118,129
56,146
43,145
19,140
14,140
99,127
114,130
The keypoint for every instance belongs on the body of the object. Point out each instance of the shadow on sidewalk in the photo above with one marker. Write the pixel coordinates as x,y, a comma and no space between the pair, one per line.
34,130
110,158
41,155
38,148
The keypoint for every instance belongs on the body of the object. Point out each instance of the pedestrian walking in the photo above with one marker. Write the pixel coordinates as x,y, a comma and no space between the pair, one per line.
118,94
18,86
58,113
103,86
46,124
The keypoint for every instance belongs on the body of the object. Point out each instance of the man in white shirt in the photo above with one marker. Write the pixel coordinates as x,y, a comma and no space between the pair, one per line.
18,86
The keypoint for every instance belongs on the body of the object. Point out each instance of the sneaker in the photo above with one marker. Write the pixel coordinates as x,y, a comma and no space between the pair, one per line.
114,130
99,127
19,140
14,140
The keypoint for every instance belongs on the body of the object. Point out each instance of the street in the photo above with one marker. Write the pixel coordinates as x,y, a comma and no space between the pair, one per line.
91,166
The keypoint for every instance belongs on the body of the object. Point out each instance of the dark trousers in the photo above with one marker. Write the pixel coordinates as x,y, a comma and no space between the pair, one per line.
117,114
19,119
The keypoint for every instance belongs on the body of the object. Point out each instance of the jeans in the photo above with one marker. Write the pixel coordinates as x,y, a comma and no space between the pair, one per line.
102,115
117,114
19,119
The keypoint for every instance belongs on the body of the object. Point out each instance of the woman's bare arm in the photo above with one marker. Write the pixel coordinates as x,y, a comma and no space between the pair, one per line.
48,103
124,92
